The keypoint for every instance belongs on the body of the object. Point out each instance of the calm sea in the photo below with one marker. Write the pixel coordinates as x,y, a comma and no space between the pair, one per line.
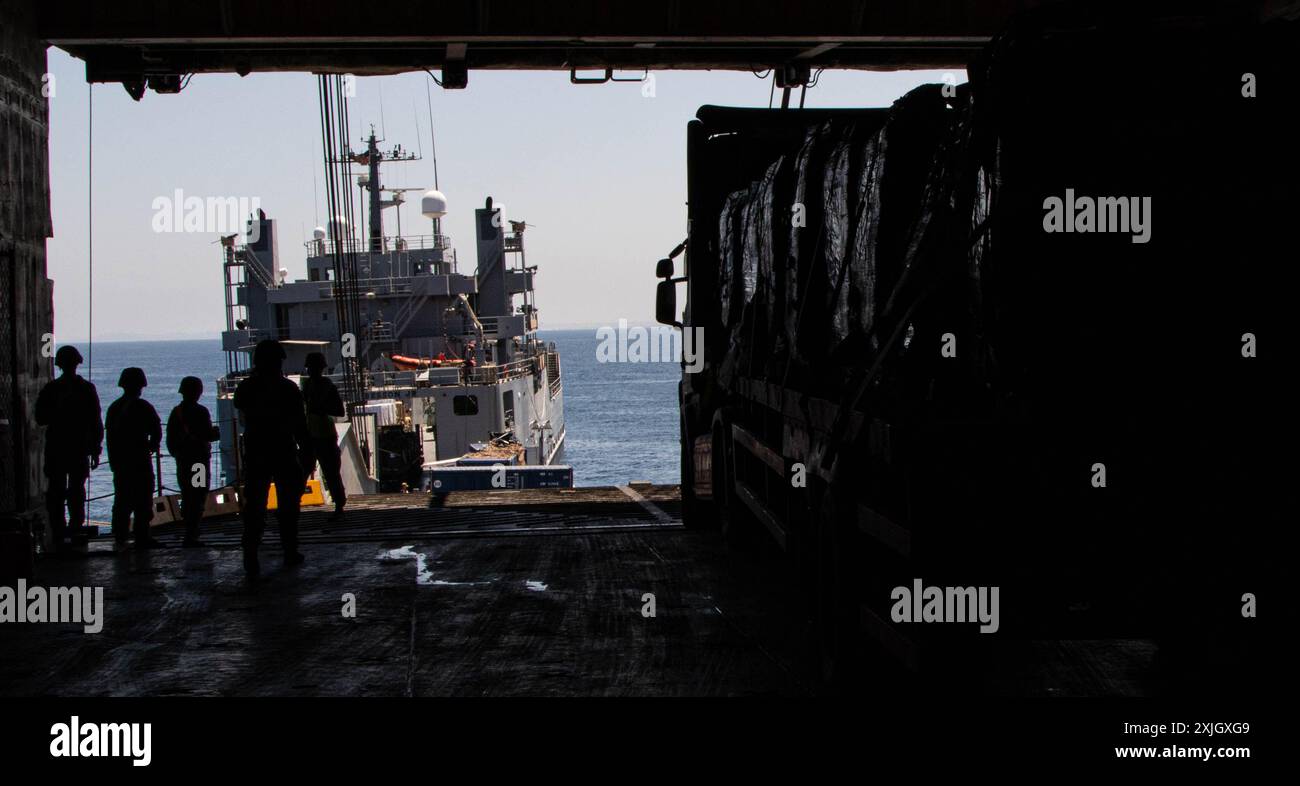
621,417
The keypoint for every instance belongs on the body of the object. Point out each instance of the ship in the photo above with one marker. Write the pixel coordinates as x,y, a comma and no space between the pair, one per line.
447,384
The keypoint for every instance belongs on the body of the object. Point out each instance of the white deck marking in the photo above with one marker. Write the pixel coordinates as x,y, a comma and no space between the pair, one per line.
653,509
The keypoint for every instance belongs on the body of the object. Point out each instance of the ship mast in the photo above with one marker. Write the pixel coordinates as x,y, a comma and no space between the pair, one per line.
376,207
371,159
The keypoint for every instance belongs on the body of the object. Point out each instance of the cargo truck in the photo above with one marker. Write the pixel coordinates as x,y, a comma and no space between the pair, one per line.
1001,335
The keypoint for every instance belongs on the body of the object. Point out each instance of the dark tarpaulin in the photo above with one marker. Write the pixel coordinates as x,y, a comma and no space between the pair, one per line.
865,264
837,188
730,242
908,178
804,232
767,227
749,226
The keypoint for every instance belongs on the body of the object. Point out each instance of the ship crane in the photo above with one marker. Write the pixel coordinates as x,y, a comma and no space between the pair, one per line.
461,306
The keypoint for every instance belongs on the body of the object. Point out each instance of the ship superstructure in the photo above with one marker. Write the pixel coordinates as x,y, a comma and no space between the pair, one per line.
452,374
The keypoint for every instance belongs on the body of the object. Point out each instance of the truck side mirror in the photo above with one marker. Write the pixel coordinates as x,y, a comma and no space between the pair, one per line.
666,303
664,268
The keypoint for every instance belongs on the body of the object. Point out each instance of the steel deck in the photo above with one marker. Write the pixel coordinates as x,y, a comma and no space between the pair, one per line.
489,593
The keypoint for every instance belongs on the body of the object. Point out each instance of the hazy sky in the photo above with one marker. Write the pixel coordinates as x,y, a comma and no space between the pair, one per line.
599,173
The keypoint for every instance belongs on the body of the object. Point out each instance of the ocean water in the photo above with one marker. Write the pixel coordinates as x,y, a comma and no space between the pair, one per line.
621,417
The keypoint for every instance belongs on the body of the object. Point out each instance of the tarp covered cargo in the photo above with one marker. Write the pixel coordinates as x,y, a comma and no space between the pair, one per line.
730,248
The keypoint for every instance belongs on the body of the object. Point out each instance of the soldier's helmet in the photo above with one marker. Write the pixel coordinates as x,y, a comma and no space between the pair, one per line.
191,386
67,355
132,378
268,354
315,360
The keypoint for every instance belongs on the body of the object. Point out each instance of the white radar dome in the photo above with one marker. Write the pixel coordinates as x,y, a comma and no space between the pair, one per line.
318,233
434,204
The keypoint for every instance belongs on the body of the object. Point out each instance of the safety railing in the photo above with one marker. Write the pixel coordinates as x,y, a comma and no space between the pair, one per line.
490,375
389,243
164,465
380,332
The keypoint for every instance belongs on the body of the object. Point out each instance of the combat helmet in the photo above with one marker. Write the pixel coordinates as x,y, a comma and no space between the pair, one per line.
132,378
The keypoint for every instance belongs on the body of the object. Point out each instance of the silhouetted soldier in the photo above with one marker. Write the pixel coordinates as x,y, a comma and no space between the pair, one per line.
74,438
323,405
276,447
134,435
189,439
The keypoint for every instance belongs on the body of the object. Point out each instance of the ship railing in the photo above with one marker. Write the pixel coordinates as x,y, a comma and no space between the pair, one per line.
282,333
384,286
379,287
227,384
167,472
253,264
391,379
389,243
479,375
380,332
490,375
